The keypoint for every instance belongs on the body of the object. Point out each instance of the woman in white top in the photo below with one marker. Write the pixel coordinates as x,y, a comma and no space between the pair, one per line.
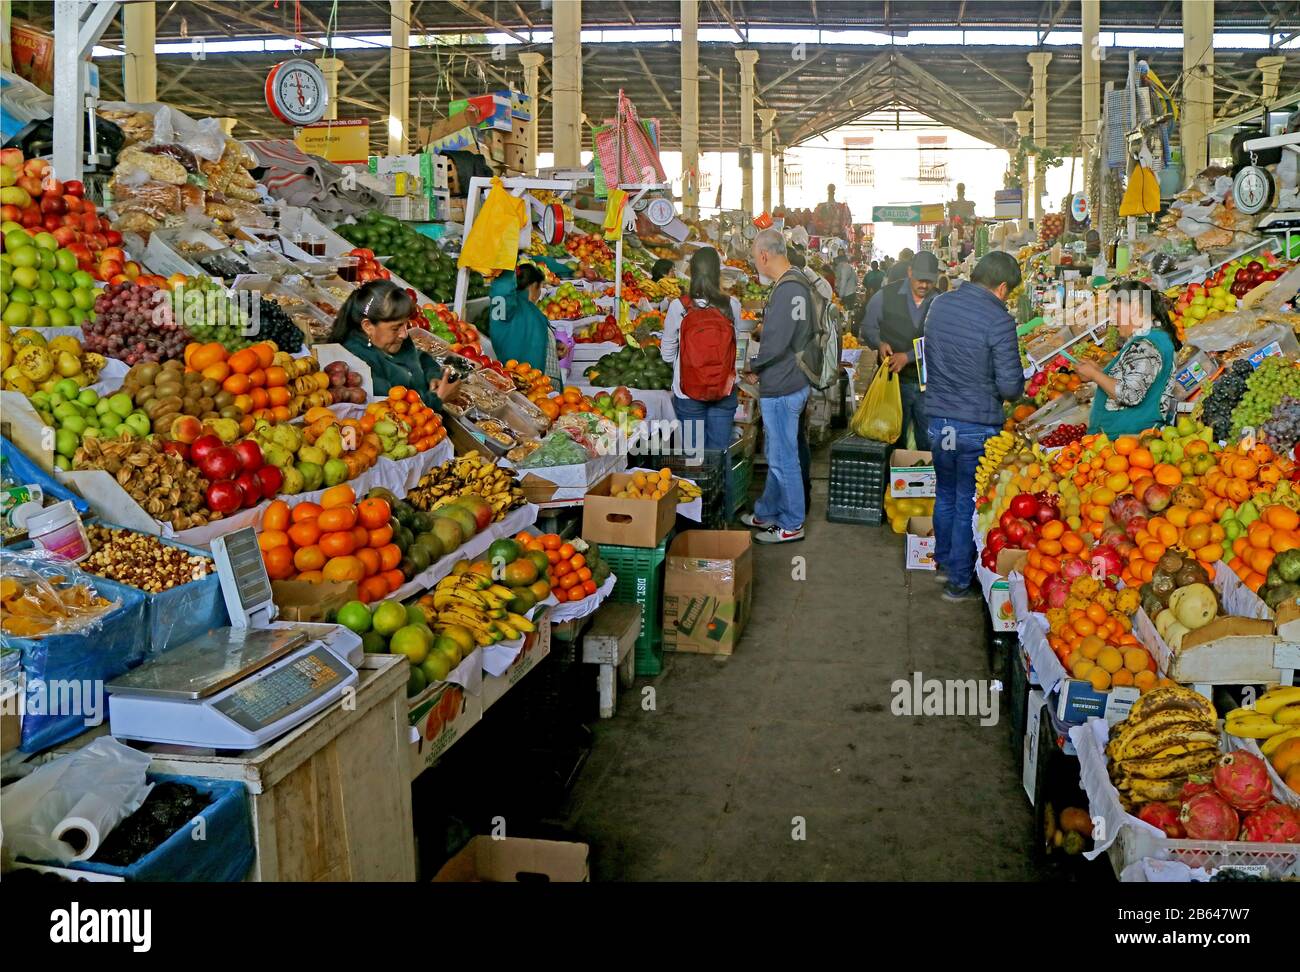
705,292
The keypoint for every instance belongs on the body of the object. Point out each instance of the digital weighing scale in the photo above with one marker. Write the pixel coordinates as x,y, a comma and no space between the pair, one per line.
238,687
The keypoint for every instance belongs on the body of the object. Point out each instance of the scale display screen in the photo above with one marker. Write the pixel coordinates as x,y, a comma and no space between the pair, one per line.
266,700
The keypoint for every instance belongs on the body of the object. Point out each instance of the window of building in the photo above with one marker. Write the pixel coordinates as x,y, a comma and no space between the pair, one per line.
933,166
857,161
794,176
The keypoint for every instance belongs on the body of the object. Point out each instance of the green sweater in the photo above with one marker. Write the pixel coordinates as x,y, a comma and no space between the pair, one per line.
516,327
409,366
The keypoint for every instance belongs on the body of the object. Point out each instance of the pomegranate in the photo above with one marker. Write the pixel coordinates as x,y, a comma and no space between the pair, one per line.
1025,506
1272,823
1241,778
1207,816
1164,816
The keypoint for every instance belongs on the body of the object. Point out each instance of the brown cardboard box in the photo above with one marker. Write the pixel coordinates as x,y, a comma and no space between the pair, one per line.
708,591
516,157
516,859
468,118
305,601
493,144
626,522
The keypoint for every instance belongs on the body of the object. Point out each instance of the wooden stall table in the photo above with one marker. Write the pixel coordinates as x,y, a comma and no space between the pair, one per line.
331,800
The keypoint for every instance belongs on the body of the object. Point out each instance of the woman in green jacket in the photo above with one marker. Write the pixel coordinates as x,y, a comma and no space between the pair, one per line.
517,328
372,324
1134,391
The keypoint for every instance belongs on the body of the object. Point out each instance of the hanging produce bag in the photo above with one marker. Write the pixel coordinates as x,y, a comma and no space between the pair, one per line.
493,242
880,416
625,150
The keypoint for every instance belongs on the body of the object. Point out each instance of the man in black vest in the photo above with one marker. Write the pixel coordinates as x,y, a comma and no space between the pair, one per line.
894,318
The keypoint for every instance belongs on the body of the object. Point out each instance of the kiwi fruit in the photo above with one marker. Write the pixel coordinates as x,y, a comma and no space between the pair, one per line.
147,372
143,395
232,412
192,379
167,389
210,387
204,404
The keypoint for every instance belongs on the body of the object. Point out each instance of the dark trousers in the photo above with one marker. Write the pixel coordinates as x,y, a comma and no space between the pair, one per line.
805,462
913,416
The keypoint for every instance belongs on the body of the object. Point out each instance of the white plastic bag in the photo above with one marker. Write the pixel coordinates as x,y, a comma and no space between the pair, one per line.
64,810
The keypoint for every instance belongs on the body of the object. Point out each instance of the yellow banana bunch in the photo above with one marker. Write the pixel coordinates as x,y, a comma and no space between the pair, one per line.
1246,724
1277,698
995,450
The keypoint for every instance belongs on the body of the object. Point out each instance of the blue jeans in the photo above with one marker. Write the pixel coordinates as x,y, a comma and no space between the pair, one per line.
716,416
782,499
913,415
957,447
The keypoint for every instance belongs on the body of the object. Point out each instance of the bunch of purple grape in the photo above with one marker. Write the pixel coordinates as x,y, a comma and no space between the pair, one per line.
1282,430
134,324
1063,435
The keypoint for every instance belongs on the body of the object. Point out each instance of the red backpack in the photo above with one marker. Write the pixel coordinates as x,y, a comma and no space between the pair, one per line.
707,353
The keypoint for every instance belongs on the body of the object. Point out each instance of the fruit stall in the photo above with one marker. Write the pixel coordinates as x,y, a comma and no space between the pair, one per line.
186,454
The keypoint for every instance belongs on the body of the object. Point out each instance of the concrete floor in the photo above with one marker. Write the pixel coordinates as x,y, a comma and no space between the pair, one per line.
709,784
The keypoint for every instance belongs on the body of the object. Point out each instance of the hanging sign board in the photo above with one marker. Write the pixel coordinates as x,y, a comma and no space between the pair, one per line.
1008,203
932,213
336,141
908,215
1080,208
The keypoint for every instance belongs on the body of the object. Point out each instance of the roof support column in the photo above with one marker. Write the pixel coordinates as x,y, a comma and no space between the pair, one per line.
690,11
780,176
768,118
399,74
1271,68
330,67
1198,85
566,89
532,62
1091,56
139,65
1039,60
747,61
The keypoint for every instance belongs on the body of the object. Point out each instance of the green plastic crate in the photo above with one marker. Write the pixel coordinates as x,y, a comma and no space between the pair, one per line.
742,475
640,573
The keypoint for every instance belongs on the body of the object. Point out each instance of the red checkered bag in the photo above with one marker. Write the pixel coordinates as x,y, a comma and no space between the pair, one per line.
626,151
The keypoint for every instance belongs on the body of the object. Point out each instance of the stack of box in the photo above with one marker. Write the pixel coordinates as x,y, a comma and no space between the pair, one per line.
502,129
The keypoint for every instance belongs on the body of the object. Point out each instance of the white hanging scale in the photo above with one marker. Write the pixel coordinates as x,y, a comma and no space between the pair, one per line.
296,92
1252,188
238,687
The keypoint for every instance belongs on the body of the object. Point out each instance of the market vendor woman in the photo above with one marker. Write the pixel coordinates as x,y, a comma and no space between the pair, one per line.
516,326
1134,391
372,324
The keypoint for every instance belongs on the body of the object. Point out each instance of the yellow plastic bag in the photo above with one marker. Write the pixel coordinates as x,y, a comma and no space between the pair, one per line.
493,242
880,416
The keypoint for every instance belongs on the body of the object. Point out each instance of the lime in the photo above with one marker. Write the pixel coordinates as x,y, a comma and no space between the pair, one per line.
373,643
504,550
411,642
435,667
356,616
415,615
416,683
388,616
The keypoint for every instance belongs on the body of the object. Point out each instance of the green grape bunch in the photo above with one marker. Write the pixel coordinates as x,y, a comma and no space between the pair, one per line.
1274,379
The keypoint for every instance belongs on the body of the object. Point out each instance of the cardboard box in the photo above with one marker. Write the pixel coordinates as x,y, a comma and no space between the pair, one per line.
626,522
493,145
516,859
1078,701
537,646
305,601
516,157
1001,610
708,591
455,122
460,140
911,473
518,131
440,716
920,543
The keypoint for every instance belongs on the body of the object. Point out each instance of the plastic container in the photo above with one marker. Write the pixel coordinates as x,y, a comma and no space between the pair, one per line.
59,530
640,580
859,475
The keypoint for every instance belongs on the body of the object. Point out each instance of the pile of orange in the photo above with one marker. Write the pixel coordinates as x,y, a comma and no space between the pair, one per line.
1055,545
261,388
535,382
337,539
1193,531
568,573
1276,530
424,428
1241,474
1099,646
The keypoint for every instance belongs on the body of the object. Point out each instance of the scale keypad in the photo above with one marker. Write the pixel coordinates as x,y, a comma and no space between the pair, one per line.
268,699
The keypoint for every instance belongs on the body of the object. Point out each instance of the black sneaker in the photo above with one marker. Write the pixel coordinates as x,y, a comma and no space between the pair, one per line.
971,593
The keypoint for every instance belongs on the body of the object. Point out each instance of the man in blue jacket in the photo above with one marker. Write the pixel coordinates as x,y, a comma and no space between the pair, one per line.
972,366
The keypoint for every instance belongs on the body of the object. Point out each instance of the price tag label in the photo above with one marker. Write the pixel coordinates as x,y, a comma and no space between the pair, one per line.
1254,870
1286,654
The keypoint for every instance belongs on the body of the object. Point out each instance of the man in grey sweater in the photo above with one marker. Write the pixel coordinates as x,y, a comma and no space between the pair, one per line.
783,391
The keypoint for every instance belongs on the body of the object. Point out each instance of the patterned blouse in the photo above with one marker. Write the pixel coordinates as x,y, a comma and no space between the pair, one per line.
1136,371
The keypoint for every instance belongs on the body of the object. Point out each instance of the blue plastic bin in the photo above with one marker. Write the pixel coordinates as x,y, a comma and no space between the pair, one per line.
225,853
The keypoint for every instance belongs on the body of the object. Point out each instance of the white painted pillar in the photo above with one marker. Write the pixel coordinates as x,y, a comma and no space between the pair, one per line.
780,176
1038,60
1271,68
1024,119
1091,55
399,75
139,65
532,62
767,116
690,12
330,67
1198,85
566,91
747,61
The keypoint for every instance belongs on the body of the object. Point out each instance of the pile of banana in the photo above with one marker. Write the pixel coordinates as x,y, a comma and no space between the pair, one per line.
687,490
995,450
1274,719
1171,734
471,473
474,602
536,245
668,286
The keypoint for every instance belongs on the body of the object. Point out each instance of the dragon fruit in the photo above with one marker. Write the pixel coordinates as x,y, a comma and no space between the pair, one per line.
1195,785
1124,507
1207,816
1272,823
1241,778
1073,568
1164,816
1056,592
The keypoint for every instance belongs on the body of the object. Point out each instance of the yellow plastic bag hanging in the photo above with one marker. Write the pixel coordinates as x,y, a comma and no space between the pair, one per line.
880,416
1142,196
493,242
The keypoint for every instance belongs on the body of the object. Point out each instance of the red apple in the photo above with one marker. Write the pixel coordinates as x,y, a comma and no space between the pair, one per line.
12,157
36,168
223,496
204,446
72,204
31,217
51,222
178,448
53,205
270,479
249,488
74,187
250,456
220,463
31,184
113,236
186,428
10,213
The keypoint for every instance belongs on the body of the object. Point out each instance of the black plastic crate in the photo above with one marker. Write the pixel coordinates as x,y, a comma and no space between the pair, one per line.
859,474
708,472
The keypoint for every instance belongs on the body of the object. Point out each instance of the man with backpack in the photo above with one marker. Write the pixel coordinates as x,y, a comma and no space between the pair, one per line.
797,352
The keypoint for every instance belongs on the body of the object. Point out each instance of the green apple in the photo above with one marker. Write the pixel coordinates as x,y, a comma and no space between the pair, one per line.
66,442
121,404
109,421
69,390
89,397
138,423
